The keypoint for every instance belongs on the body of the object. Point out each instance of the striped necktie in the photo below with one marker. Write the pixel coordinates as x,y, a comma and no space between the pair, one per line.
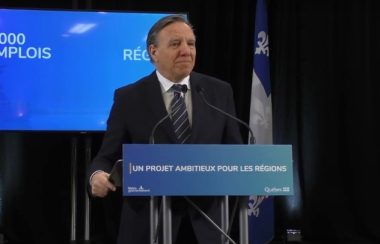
179,115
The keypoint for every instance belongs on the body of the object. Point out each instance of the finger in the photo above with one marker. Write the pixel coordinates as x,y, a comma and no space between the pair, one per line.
100,192
99,189
110,186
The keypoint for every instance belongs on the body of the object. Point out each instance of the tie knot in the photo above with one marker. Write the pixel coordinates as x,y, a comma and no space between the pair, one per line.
179,88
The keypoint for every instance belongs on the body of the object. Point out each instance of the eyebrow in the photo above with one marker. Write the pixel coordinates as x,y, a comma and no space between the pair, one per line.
174,39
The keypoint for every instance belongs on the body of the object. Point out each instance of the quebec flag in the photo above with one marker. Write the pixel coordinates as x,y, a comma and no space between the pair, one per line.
260,208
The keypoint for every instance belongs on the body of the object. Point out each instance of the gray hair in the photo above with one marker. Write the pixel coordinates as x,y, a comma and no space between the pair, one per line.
161,24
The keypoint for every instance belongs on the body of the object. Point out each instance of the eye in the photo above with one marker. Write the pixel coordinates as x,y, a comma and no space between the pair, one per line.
175,44
191,43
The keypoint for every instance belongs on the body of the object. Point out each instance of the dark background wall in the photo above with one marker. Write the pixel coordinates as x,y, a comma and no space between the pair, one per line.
324,64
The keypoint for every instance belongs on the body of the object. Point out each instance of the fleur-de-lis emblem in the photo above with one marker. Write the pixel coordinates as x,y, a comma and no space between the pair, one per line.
262,44
253,205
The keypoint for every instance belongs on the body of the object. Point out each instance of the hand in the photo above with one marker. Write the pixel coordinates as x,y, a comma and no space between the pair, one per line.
100,184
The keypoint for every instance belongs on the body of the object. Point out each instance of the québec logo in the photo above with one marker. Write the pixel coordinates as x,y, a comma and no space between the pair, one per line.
139,189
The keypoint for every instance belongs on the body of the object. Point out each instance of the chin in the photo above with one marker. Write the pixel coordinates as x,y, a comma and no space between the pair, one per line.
184,73
185,69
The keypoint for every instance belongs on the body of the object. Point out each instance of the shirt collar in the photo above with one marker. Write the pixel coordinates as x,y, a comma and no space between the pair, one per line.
167,84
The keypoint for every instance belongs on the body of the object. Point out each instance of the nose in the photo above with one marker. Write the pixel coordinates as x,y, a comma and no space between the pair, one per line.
185,49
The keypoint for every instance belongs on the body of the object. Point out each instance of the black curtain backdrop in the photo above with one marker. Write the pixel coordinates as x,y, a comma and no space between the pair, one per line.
324,63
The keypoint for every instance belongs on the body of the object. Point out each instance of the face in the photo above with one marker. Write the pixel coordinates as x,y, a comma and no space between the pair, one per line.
174,54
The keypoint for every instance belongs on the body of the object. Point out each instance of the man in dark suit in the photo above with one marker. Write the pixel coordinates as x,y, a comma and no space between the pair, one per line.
136,110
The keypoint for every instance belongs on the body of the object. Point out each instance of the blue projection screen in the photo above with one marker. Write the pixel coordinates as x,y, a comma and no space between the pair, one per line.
59,69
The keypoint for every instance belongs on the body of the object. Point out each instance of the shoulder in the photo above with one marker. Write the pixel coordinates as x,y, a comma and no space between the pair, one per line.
209,83
140,86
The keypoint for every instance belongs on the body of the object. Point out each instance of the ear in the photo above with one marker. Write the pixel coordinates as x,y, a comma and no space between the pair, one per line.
153,52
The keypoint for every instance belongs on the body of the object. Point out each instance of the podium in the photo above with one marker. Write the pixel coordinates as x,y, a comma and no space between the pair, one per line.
205,170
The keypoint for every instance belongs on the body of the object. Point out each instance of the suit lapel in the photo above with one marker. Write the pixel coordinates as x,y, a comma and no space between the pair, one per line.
199,111
156,104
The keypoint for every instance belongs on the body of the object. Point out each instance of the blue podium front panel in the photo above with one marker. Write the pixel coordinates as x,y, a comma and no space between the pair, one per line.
207,170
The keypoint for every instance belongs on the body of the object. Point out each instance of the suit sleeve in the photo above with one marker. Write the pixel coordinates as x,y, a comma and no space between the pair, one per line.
114,137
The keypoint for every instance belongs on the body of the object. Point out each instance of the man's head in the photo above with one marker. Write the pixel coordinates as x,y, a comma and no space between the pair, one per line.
171,47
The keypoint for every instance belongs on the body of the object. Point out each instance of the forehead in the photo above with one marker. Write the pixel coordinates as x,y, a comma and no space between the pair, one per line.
176,29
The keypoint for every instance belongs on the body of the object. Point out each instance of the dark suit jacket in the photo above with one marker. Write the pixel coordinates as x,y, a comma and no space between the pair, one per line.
137,108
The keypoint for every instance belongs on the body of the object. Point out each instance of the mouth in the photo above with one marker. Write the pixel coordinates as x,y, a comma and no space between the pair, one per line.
183,61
